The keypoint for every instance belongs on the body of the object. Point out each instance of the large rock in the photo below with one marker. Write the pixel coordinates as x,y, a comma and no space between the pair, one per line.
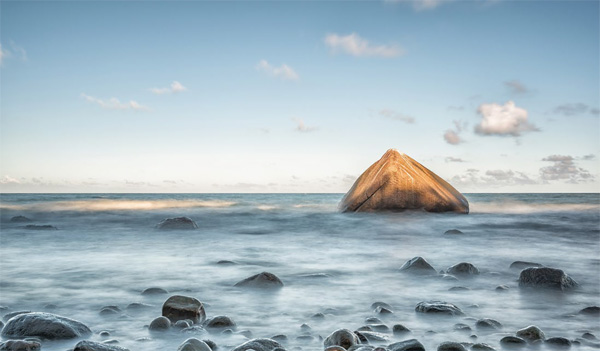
396,183
531,333
463,269
20,345
546,278
259,345
193,344
177,223
341,337
44,325
180,307
87,345
264,280
438,307
418,265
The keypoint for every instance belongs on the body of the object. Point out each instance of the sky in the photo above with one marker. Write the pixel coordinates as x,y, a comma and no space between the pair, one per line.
290,96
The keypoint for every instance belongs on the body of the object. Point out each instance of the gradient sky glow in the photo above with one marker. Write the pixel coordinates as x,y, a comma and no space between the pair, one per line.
262,96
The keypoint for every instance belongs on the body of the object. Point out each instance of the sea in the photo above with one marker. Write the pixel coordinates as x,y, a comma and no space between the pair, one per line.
106,250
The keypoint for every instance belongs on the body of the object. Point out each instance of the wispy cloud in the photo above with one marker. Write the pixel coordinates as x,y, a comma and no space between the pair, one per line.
174,88
575,109
516,87
452,136
492,178
564,168
9,180
15,51
391,114
354,45
503,120
284,71
454,159
114,103
2,54
301,127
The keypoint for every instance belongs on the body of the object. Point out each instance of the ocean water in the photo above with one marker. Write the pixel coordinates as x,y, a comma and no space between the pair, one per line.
107,250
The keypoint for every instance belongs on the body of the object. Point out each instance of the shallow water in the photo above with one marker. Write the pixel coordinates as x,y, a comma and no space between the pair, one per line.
107,251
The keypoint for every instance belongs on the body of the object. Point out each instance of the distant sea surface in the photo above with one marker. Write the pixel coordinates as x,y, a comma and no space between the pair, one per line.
106,251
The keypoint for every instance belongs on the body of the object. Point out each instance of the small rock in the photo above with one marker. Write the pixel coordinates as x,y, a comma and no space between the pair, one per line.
451,346
87,345
182,324
399,329
488,324
381,328
341,337
160,324
376,305
361,339
154,291
259,345
588,336
558,343
531,333
280,338
220,322
461,327
373,320
40,227
418,265
383,310
453,232
138,306
20,345
226,262
44,325
110,311
546,278
438,307
318,315
178,307
501,288
211,344
335,348
305,338
482,347
524,264
448,277
458,288
463,269
245,333
374,336
104,334
407,345
513,342
177,223
20,219
591,311
193,344
264,280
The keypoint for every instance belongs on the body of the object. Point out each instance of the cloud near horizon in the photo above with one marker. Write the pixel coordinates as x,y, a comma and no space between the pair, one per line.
174,88
564,168
284,71
114,103
353,44
503,120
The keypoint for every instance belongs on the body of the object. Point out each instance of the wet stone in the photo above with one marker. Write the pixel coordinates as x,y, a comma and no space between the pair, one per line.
180,307
418,265
399,329
488,324
20,219
463,269
20,345
40,227
524,264
160,324
44,325
259,345
453,232
154,291
341,337
548,278
502,288
193,344
87,345
407,345
482,347
451,346
264,280
591,311
178,223
558,343
438,307
220,322
461,327
531,333
513,342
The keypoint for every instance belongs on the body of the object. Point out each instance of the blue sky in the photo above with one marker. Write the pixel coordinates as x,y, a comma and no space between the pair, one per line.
262,96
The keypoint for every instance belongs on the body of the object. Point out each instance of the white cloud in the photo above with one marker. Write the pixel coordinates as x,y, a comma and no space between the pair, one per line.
284,71
9,180
391,114
564,168
354,45
175,87
301,127
115,104
503,120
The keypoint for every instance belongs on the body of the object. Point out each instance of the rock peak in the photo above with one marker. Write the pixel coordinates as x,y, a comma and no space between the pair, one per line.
396,182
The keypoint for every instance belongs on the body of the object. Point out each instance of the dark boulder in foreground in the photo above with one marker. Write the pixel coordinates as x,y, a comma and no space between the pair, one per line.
259,345
513,342
451,346
463,269
20,219
546,278
180,307
418,265
87,345
341,337
40,227
20,345
558,343
264,280
177,223
44,325
438,307
524,264
407,345
396,183
193,344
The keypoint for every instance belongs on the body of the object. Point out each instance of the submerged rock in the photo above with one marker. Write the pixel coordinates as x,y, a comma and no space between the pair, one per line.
418,265
546,278
488,324
87,345
264,280
12,314
160,324
396,183
591,311
407,345
463,269
178,307
44,325
513,342
524,264
220,322
399,329
40,227
259,345
20,219
453,232
482,347
341,337
531,333
193,344
451,346
438,307
558,343
154,291
20,345
177,223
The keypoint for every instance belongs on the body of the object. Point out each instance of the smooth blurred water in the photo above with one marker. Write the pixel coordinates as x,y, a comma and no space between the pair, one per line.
107,251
